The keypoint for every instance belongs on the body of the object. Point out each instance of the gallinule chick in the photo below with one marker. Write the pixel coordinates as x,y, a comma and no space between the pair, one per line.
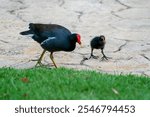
98,43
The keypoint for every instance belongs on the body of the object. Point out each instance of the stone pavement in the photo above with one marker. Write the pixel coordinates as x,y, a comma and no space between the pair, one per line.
125,23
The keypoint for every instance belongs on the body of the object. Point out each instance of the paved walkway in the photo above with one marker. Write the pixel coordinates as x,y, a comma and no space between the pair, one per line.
125,23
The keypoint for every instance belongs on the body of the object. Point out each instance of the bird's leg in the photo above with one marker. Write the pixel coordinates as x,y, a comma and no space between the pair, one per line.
52,58
92,56
39,60
104,57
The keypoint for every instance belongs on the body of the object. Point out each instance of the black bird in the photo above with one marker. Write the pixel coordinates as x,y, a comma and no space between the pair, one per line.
52,38
98,43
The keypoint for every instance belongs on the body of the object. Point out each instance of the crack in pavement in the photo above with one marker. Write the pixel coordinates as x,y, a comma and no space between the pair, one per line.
143,55
122,9
129,58
80,14
19,1
127,7
120,47
13,11
114,14
113,26
148,44
4,41
101,1
62,2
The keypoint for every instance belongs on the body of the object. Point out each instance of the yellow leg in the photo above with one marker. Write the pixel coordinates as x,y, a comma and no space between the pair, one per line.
52,58
40,59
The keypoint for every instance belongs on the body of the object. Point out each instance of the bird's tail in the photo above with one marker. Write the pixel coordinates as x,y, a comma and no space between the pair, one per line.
30,31
26,32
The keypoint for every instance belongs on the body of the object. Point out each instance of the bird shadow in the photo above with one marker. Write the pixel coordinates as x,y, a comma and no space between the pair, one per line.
94,57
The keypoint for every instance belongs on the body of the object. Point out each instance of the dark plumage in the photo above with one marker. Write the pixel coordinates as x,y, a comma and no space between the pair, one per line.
98,43
52,38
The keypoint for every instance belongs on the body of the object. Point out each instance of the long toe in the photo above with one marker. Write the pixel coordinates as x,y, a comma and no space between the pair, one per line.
39,64
104,58
94,57
84,59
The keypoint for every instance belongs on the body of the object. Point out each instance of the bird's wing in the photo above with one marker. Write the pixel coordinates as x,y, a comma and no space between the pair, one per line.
39,29
44,31
57,40
53,44
48,40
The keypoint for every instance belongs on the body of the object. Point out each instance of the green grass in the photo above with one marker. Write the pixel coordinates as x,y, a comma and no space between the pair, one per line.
61,83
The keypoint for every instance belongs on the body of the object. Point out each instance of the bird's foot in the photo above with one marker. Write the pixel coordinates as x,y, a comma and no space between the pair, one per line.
84,59
38,63
94,57
105,58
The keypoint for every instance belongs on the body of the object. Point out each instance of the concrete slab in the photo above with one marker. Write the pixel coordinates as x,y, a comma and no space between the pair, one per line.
125,23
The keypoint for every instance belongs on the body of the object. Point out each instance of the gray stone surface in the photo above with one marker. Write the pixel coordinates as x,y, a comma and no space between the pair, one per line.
125,23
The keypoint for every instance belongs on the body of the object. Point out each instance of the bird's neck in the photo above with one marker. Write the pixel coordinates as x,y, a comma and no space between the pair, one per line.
72,46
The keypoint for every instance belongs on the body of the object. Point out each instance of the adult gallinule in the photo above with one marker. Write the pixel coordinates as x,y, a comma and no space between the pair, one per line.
52,38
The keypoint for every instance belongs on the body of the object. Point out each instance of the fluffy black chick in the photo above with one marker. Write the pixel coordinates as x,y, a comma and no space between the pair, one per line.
98,43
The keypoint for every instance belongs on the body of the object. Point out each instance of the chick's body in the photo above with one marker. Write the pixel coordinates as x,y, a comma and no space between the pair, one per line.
98,43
